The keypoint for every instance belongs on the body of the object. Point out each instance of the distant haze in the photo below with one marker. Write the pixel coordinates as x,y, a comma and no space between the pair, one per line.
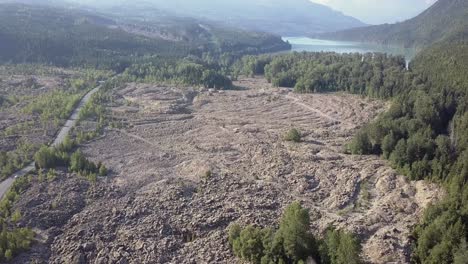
281,17
379,11
368,11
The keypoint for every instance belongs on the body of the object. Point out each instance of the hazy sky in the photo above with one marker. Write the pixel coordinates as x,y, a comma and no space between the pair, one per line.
379,11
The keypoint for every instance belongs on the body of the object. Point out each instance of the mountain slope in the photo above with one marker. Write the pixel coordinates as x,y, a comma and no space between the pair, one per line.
445,19
67,37
287,18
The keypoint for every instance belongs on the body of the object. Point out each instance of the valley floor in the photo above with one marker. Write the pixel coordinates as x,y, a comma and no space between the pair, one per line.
187,164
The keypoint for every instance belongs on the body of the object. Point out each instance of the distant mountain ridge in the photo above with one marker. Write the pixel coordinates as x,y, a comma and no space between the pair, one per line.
446,19
72,36
286,18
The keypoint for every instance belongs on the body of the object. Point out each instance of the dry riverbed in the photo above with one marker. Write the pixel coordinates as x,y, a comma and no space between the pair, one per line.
187,164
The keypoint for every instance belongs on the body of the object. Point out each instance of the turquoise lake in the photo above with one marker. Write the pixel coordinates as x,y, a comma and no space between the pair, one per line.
318,45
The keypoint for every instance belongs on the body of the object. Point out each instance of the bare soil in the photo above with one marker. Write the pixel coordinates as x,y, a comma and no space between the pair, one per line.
162,206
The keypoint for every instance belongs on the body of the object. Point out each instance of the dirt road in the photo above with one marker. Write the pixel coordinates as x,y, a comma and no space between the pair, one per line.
6,184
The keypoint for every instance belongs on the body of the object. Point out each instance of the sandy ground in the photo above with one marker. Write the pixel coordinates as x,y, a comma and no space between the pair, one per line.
160,194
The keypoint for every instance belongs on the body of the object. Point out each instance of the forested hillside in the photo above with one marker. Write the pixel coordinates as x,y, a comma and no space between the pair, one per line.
445,20
70,37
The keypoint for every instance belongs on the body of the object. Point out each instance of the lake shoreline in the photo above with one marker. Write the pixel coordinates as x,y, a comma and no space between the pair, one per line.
300,44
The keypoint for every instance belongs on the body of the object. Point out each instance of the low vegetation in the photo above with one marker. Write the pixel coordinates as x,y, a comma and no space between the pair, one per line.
42,98
293,135
293,242
13,240
51,158
12,161
53,107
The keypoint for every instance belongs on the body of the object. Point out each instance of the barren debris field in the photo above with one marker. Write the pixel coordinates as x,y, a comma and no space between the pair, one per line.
187,164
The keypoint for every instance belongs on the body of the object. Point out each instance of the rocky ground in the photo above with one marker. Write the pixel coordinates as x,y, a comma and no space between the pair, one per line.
187,164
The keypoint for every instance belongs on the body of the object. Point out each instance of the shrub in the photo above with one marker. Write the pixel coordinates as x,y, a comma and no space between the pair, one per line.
102,170
293,234
249,245
13,240
340,247
8,254
51,175
79,163
208,174
67,145
92,177
16,216
234,233
48,157
293,135
361,144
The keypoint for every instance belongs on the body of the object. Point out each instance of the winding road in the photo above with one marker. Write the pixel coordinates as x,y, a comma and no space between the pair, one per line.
71,122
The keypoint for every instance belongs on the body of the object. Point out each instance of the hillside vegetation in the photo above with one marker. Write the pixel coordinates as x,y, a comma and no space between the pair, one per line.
445,20
71,37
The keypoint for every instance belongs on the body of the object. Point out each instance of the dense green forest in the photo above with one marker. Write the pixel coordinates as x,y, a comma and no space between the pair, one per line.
423,134
71,37
65,38
438,23
190,71
442,236
376,75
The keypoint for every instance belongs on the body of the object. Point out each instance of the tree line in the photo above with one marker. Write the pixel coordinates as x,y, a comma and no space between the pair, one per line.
373,74
73,37
189,71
